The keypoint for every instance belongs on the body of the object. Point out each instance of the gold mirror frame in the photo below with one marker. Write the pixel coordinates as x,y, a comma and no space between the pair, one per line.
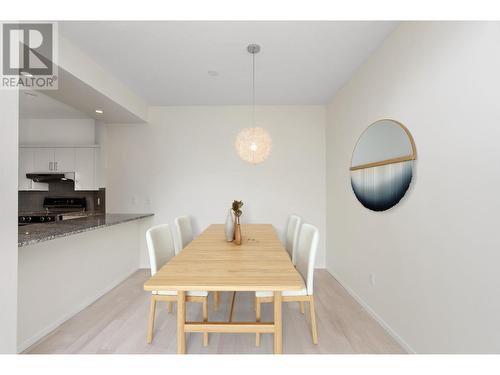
413,156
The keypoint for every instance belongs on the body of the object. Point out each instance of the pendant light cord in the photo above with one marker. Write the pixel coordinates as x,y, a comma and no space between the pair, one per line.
253,89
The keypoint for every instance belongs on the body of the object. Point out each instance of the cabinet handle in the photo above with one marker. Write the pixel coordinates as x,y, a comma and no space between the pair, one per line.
50,165
55,163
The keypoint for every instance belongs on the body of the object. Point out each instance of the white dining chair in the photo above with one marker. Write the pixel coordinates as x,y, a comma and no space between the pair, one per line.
291,238
184,232
161,250
307,246
292,235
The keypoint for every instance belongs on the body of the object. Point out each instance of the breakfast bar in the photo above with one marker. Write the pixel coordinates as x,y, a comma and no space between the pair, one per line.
36,233
65,266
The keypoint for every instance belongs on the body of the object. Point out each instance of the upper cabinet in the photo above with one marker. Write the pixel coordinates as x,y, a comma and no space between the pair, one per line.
80,160
64,159
43,160
85,169
50,159
27,165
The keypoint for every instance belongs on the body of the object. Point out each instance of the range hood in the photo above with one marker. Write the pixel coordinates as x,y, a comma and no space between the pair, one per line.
51,177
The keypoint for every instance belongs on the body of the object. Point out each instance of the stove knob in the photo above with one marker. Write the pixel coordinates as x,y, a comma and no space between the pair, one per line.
42,219
28,218
22,219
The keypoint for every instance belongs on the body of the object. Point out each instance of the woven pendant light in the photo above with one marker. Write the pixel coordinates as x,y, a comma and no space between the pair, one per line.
254,144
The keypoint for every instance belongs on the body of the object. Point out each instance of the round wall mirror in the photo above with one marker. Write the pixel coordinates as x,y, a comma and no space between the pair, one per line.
382,164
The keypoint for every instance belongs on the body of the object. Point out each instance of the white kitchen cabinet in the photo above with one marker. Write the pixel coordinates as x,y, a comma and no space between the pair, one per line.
43,160
54,159
64,159
82,160
26,165
85,169
99,169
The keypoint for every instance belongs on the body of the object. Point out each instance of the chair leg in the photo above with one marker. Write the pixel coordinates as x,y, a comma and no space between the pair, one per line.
169,307
302,307
205,319
151,323
313,321
257,319
216,301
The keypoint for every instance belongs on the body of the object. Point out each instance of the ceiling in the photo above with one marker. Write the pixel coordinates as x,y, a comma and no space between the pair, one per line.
168,62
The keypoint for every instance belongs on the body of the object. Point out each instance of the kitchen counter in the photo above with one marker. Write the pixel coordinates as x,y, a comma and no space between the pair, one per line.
35,233
65,266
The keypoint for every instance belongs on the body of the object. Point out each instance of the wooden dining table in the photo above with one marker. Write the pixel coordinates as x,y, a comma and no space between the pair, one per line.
211,263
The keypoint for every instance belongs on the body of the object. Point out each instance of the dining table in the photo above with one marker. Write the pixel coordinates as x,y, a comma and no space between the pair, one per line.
211,263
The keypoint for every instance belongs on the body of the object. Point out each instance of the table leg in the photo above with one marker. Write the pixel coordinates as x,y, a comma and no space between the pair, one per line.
205,319
216,301
181,319
277,323
231,311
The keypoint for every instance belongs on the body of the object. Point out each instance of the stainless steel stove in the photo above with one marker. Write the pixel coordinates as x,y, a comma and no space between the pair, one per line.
55,209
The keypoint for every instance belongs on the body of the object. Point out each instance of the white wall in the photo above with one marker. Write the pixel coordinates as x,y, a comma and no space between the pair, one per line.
184,163
9,116
57,131
436,255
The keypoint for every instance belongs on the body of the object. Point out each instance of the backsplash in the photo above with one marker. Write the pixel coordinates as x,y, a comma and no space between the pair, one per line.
32,201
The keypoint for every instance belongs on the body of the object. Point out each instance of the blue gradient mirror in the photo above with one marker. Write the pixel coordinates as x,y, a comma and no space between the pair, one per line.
382,165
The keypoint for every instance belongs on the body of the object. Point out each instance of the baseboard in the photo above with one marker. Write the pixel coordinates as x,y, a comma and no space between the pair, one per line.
374,315
48,329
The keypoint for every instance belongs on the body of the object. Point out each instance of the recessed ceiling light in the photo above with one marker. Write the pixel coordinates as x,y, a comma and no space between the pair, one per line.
26,74
213,73
30,93
99,111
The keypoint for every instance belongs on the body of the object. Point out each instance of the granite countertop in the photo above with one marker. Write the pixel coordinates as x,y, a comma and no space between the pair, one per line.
35,233
52,212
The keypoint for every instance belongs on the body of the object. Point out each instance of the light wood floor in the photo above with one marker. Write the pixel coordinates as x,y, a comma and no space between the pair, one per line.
116,323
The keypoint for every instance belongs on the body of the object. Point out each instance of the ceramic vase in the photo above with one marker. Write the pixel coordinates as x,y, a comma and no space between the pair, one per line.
229,227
